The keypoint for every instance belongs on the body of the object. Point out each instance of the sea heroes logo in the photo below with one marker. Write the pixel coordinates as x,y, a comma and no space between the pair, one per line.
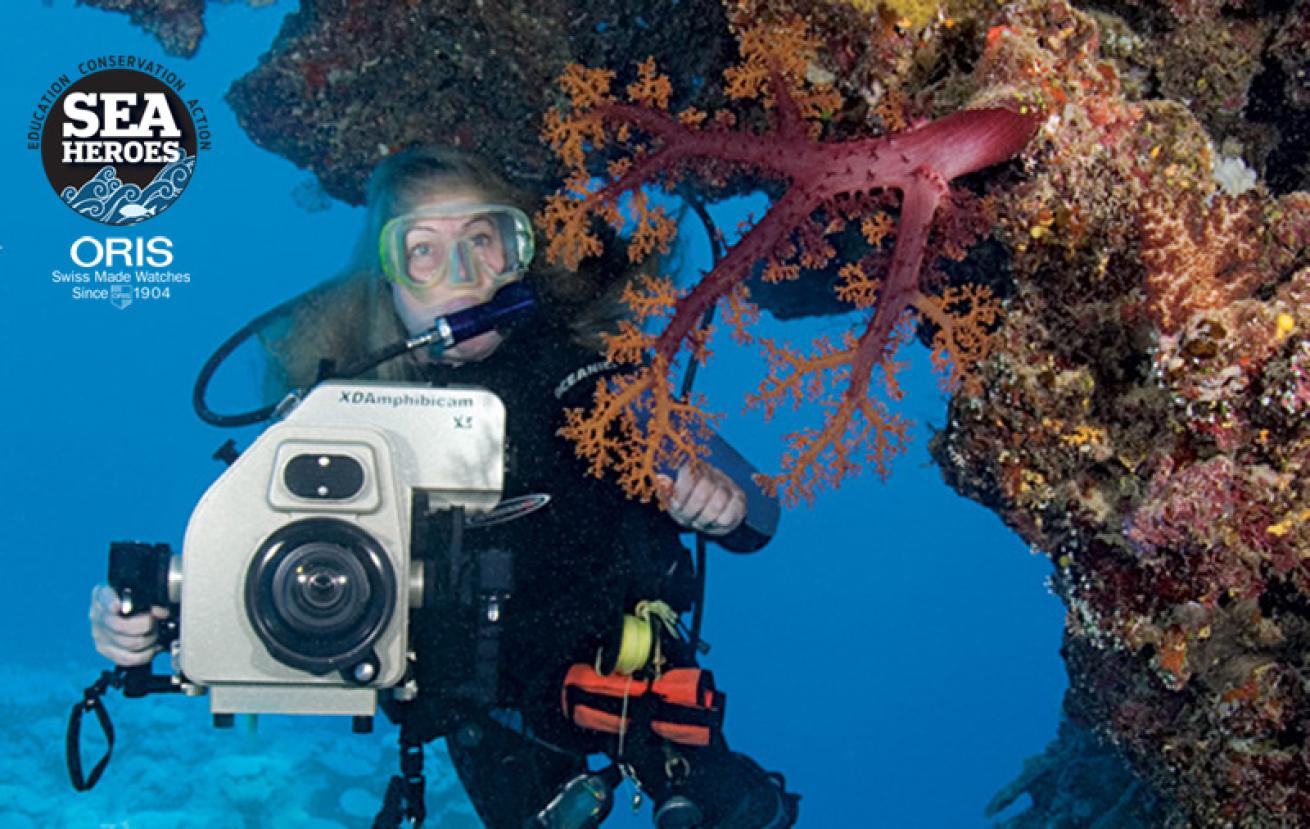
118,145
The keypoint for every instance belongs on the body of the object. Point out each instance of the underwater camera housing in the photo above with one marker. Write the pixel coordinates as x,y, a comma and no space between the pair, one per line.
296,576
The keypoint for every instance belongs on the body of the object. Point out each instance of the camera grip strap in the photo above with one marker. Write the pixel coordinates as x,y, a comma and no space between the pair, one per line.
73,743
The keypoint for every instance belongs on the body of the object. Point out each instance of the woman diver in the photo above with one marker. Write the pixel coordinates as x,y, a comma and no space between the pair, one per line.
444,233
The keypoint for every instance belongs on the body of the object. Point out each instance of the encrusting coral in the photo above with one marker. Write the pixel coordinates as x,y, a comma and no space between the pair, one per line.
179,25
348,82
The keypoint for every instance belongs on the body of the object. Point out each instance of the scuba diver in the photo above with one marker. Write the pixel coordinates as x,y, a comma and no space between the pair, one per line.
592,656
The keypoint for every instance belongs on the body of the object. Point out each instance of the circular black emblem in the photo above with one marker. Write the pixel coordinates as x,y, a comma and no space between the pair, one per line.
119,146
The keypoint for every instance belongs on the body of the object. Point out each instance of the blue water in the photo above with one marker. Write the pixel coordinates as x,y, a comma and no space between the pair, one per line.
894,651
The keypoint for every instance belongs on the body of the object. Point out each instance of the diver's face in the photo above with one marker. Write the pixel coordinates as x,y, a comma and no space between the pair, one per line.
452,262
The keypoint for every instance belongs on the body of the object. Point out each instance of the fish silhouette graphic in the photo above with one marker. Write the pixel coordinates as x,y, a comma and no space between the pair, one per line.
135,211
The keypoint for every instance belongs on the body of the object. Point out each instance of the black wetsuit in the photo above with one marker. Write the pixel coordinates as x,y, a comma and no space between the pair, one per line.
579,562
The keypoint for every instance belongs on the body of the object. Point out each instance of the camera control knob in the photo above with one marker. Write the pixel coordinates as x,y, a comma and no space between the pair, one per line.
365,672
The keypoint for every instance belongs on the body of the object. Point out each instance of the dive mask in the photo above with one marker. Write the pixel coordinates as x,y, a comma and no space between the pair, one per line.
459,243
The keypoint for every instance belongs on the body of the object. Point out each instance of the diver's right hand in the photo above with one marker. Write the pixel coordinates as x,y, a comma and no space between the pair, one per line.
124,640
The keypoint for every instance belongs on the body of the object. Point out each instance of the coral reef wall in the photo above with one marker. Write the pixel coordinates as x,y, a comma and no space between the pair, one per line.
179,25
1143,419
349,81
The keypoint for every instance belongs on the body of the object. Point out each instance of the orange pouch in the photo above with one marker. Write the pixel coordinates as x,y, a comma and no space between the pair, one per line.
682,705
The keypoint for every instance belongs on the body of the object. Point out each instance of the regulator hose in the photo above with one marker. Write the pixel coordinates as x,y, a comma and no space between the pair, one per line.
510,303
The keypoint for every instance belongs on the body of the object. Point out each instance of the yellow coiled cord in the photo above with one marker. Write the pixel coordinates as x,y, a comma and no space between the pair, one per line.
640,645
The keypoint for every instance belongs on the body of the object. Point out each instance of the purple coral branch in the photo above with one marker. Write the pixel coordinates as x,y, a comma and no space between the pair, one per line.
919,162
918,205
790,124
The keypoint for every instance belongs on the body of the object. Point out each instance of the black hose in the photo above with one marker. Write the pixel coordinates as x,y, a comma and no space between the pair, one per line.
510,303
216,359
716,254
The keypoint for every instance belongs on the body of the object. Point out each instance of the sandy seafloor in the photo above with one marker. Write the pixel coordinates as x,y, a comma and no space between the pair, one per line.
894,651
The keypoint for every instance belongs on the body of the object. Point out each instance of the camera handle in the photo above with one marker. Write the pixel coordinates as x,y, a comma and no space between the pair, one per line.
140,573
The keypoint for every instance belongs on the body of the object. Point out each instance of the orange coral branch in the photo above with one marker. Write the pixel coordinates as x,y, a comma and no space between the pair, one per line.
638,428
963,338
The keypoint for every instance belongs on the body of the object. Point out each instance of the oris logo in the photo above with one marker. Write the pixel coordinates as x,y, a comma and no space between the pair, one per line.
118,145
90,252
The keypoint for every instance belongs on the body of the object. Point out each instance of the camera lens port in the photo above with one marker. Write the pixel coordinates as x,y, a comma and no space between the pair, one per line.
319,593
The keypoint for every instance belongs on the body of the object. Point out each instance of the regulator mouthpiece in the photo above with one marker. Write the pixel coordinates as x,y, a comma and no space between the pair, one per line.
510,304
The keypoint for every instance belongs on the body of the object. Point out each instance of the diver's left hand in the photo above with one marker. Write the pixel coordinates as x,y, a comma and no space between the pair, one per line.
705,500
